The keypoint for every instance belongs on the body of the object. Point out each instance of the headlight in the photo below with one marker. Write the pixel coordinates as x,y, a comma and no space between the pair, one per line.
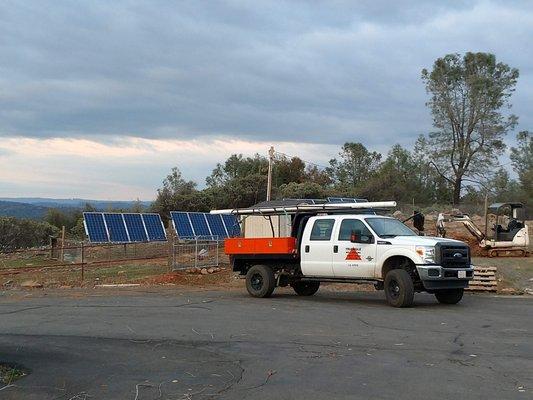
427,253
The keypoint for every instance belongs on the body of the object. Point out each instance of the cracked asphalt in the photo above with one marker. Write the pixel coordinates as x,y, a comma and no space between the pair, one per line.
164,343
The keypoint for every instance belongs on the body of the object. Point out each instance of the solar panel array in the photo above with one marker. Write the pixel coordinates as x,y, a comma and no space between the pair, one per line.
190,225
123,227
346,200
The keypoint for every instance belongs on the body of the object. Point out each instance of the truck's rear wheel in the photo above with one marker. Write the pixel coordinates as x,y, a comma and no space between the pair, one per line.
399,288
260,281
305,288
449,296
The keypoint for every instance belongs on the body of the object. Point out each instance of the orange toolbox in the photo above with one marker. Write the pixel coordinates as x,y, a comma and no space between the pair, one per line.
281,245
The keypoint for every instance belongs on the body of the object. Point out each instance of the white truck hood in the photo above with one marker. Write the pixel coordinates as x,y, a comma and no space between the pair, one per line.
419,240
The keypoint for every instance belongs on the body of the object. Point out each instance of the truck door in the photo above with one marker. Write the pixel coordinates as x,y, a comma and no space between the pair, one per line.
354,250
316,253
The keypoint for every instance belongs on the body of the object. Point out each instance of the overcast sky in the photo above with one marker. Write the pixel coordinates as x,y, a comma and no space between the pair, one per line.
100,99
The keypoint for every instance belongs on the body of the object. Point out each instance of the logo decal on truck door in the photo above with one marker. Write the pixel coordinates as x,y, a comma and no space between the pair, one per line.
352,254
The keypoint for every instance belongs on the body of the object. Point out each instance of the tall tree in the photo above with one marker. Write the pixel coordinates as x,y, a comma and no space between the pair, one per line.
178,194
468,96
522,158
356,165
239,182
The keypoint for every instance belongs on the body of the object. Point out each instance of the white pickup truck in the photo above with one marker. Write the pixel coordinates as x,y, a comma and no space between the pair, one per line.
356,248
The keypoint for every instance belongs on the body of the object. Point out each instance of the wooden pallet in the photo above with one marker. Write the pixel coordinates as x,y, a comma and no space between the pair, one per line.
484,280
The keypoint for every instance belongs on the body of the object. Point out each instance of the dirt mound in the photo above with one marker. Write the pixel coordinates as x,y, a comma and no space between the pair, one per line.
475,249
223,277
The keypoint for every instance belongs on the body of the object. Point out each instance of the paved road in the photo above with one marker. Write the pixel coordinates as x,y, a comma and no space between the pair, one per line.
165,344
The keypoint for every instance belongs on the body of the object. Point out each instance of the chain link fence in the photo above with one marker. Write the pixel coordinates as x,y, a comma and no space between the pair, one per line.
196,253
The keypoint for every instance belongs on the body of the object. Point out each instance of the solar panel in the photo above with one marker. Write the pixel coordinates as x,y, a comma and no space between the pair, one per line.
135,226
346,200
154,227
95,226
232,225
199,224
182,224
116,228
217,225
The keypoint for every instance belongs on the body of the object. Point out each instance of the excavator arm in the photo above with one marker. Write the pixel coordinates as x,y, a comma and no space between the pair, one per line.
468,223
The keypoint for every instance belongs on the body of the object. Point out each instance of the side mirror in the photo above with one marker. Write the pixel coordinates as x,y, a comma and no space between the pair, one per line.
367,239
357,237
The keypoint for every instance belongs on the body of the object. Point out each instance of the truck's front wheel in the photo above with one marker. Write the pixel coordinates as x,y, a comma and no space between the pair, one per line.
260,281
304,288
399,288
449,296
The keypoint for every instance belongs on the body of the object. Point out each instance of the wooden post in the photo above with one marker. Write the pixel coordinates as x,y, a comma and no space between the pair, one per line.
82,262
62,243
269,178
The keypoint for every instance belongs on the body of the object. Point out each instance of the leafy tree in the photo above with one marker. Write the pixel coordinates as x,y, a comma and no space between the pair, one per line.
59,218
237,166
467,96
178,194
23,233
522,158
239,182
319,176
356,165
305,190
286,170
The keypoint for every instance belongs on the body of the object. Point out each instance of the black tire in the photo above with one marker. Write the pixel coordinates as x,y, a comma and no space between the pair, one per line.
449,296
305,288
260,281
399,288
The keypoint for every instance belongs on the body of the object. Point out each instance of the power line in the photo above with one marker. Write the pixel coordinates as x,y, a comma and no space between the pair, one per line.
305,161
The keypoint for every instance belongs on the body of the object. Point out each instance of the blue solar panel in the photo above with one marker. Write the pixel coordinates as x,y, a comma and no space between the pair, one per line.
217,225
135,226
199,224
182,224
154,227
94,222
232,226
116,228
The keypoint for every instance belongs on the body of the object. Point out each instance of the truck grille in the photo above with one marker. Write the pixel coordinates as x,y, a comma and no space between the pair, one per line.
453,255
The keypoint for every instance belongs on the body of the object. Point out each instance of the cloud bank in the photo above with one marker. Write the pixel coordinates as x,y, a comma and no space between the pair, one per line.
191,76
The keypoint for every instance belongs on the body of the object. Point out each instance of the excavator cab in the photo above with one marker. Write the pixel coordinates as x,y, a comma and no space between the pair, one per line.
504,221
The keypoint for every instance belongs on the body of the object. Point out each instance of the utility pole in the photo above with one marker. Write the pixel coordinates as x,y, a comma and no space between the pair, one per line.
269,180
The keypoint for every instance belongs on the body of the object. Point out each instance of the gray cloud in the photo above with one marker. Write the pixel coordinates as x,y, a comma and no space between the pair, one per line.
322,72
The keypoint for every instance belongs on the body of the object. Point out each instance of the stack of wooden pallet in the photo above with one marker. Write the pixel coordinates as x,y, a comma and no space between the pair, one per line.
484,280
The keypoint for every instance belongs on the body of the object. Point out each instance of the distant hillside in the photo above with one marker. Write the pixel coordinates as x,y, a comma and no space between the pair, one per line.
75,203
36,208
21,210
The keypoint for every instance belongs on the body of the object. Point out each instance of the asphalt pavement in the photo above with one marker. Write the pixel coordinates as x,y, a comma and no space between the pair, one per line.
164,343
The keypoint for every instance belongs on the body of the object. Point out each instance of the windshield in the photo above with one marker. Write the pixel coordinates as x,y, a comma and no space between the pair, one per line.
389,227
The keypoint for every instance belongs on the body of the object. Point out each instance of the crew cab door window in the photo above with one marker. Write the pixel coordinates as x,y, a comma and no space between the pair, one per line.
316,248
354,229
354,250
322,229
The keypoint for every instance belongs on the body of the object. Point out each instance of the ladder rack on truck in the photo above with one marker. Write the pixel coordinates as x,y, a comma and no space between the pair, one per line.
287,245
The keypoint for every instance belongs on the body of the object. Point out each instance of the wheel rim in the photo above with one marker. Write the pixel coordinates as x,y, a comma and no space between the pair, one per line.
256,281
394,289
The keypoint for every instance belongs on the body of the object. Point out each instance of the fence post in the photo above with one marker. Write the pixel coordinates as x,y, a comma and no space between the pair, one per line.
172,249
196,253
62,243
82,262
216,250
